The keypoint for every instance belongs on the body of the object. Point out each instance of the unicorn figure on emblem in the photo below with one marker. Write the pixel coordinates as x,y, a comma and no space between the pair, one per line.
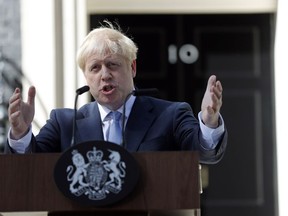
117,173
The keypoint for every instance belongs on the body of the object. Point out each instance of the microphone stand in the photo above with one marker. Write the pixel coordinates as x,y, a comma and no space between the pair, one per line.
78,92
124,120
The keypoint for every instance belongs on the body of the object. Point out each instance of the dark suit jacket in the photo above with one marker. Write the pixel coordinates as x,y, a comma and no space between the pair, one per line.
153,125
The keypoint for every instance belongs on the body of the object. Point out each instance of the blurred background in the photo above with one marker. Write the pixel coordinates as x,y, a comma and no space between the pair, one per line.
181,43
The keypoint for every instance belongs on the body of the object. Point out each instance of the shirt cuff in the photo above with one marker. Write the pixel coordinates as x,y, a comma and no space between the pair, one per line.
211,136
20,146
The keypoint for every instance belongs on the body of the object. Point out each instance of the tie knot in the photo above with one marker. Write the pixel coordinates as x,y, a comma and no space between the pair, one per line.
116,116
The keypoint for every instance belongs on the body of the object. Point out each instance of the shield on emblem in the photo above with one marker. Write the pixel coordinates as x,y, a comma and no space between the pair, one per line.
96,175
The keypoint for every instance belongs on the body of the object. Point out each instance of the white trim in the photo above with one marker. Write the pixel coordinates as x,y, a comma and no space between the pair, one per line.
48,53
69,52
281,104
38,51
82,30
74,30
181,6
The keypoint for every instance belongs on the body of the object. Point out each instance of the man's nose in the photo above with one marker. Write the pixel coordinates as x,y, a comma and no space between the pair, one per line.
105,73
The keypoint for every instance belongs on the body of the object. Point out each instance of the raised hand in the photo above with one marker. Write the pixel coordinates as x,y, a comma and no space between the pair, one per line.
21,113
212,102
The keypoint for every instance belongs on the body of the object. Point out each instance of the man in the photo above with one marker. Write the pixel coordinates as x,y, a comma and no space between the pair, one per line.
108,60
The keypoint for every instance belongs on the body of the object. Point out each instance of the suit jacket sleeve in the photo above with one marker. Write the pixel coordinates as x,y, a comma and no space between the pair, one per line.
159,125
188,135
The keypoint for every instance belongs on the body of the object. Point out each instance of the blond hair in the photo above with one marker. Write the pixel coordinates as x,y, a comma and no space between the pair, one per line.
106,39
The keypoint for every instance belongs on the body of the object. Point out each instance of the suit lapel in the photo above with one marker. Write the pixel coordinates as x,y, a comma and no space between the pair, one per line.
89,124
89,127
140,119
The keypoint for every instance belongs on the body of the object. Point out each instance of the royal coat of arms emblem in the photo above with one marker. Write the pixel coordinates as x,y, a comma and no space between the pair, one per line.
97,177
97,173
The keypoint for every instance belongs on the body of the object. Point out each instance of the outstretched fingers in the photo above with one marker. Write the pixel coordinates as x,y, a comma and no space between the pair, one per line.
14,103
21,113
217,89
31,95
216,96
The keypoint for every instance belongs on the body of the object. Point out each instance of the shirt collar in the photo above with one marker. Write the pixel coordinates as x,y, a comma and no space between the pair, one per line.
104,111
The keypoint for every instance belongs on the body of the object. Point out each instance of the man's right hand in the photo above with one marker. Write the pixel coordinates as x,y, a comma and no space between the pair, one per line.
21,113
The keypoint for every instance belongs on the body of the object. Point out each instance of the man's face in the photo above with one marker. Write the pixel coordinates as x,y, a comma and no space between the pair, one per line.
110,79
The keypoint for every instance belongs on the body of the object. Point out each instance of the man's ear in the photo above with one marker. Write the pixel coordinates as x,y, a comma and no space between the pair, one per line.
133,67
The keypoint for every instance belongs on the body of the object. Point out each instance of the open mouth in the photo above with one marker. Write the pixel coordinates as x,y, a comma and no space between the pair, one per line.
108,88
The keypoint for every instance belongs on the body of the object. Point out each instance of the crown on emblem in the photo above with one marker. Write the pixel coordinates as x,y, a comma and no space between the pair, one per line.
94,156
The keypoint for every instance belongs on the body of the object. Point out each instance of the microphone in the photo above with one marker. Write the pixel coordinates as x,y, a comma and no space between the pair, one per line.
136,92
79,91
82,90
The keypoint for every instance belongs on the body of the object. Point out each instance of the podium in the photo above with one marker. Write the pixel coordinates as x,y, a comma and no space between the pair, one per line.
169,183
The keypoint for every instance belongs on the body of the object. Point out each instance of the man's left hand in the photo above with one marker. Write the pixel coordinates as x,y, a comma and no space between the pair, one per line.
212,102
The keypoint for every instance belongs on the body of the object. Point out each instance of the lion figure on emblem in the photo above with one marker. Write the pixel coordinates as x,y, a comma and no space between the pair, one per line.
80,172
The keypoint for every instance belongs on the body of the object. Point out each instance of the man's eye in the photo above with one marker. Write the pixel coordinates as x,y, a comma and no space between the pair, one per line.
95,68
113,64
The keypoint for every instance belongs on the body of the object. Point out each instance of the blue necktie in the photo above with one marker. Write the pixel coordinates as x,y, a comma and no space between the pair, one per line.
115,134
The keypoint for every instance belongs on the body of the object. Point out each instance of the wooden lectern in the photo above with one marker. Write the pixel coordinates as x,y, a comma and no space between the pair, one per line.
168,185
